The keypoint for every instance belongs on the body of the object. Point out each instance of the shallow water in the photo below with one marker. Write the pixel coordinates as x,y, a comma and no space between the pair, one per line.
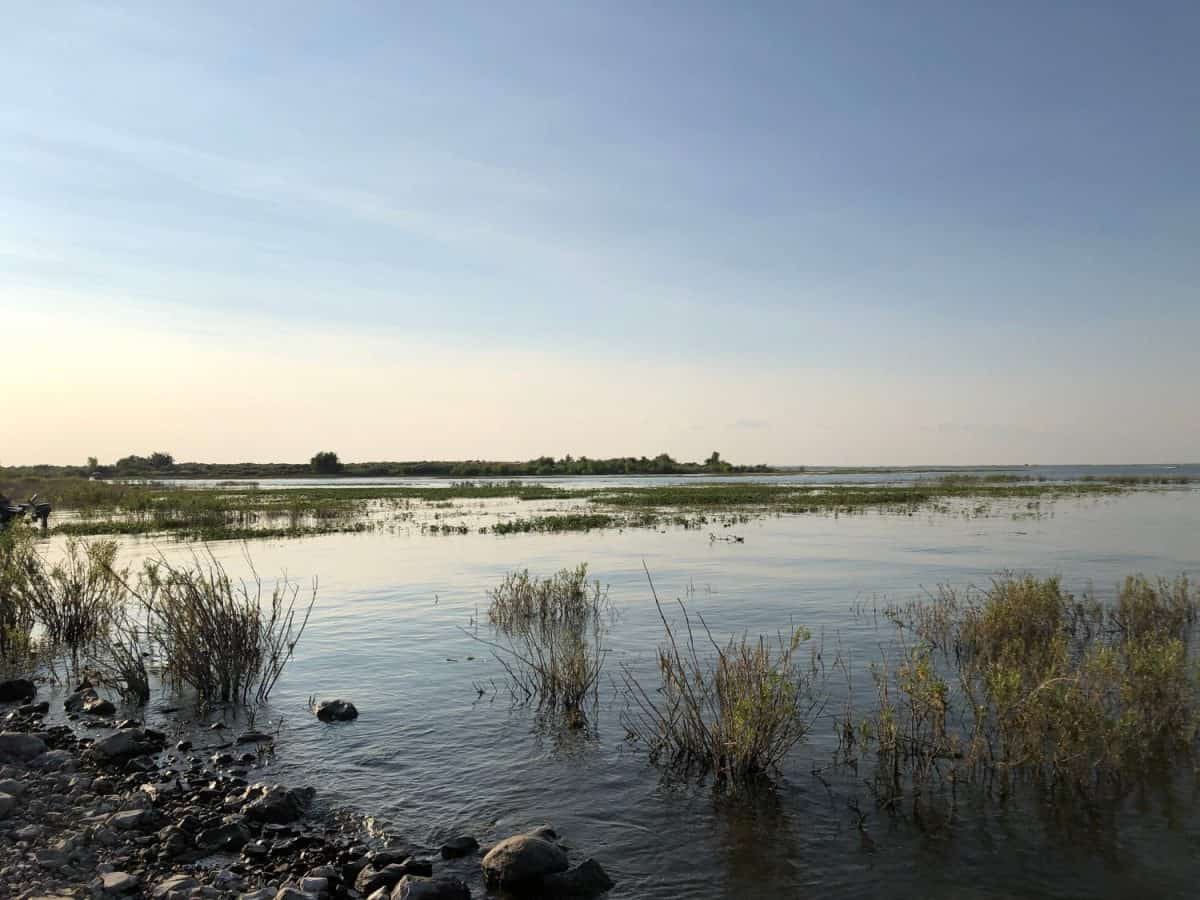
392,631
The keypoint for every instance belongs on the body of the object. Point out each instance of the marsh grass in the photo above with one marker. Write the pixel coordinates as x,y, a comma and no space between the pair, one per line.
76,600
521,602
122,664
227,640
1022,683
732,710
550,634
18,561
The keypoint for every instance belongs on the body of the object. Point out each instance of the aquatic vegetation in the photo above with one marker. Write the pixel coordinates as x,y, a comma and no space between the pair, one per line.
521,602
568,522
17,560
733,711
228,641
551,634
76,600
1024,684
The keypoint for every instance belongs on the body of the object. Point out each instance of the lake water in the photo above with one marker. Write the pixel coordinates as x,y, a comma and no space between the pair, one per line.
813,476
393,627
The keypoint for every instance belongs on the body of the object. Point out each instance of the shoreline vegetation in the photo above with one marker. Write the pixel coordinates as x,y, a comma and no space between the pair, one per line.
85,506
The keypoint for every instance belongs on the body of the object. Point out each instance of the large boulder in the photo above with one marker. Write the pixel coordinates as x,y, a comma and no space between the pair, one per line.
275,804
18,690
336,711
414,887
23,747
586,880
522,859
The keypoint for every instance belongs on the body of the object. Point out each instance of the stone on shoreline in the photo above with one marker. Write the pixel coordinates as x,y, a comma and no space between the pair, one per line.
587,879
17,690
23,747
98,706
123,745
523,859
117,883
336,711
416,887
275,804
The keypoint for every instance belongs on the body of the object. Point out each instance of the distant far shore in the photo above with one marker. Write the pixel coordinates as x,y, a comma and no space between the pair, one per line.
327,465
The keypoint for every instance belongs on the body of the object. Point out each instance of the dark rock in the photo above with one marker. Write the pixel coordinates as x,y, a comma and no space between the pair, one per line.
216,726
129,723
459,846
256,852
522,859
587,879
390,857
124,745
336,711
17,690
14,745
275,804
34,709
136,820
414,887
183,746
83,695
371,879
97,706
228,836
221,760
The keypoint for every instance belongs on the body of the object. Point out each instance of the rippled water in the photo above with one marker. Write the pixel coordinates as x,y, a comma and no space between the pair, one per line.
392,631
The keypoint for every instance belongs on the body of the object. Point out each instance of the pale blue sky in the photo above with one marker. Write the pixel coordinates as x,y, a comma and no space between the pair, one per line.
863,196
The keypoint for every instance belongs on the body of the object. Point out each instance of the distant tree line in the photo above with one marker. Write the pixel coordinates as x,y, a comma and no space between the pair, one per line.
326,462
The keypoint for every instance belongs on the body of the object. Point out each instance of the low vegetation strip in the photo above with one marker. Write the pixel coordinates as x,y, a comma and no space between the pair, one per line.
87,507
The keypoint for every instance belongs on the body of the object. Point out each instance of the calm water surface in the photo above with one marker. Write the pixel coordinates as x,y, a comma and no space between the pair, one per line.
430,757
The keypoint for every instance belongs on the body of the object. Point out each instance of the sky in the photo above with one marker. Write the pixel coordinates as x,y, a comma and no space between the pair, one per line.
796,233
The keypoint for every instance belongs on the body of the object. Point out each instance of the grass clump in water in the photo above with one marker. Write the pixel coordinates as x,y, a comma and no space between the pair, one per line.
521,602
76,600
551,634
17,561
733,711
228,641
1023,683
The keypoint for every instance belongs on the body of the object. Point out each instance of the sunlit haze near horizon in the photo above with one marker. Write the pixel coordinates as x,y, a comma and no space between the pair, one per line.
795,233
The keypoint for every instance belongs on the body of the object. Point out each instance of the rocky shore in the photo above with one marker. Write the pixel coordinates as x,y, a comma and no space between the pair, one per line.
120,814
